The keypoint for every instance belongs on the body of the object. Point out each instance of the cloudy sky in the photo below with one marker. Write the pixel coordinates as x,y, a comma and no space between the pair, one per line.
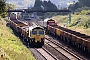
21,3
28,3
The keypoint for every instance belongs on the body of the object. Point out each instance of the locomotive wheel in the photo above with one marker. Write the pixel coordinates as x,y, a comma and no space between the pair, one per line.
61,37
23,40
48,32
88,51
27,39
28,44
32,44
68,41
21,35
54,34
73,43
80,46
42,43
83,48
57,36
30,41
64,39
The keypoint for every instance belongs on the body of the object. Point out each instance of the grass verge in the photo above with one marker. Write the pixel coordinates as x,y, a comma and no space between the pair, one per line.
80,23
11,48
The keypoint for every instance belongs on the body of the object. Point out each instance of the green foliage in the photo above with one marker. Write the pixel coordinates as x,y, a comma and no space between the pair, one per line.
80,23
49,6
73,7
78,6
46,5
2,7
85,12
84,3
10,6
3,15
83,8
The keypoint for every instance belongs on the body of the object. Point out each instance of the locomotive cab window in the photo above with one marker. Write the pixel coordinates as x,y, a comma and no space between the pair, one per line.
41,32
34,32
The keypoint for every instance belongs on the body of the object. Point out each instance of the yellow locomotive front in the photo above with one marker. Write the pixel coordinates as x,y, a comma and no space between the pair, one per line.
37,35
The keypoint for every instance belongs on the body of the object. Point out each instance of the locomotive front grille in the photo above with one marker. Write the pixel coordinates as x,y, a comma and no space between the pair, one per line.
37,38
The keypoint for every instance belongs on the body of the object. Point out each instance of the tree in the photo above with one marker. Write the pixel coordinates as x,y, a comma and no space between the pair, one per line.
2,6
73,7
84,3
43,5
37,5
49,6
80,4
10,6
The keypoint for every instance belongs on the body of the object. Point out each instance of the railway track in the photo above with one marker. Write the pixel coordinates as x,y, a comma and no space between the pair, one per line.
46,54
40,53
74,53
63,49
56,51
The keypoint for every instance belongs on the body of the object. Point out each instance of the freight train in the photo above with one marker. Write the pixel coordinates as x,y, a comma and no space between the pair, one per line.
77,39
34,35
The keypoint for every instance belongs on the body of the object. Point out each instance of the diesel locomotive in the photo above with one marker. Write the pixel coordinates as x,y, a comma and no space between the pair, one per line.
34,35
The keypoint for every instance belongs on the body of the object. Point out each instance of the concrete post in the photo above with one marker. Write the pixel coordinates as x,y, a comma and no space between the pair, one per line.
69,18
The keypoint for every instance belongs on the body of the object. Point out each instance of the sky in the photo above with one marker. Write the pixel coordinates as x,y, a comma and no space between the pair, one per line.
28,3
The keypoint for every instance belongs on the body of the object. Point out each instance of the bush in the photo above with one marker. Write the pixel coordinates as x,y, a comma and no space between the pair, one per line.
3,15
85,12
